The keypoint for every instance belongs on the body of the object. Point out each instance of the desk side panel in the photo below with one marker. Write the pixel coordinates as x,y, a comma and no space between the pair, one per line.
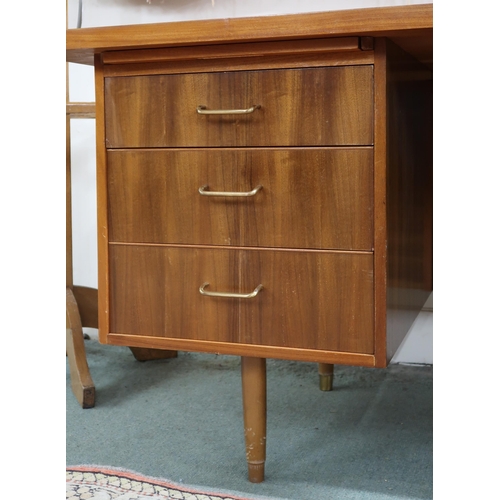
102,205
409,191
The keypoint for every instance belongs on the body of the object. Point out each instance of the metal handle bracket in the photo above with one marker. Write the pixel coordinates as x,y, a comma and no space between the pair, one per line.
203,192
202,110
229,294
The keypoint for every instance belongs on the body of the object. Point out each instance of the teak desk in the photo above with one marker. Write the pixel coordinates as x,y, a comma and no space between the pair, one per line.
264,188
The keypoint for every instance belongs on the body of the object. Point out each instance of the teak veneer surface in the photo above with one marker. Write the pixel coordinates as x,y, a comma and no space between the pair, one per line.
396,247
309,300
411,25
310,198
225,51
409,192
298,107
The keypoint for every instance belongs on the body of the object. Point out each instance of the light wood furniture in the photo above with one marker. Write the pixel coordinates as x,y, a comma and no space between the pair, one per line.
264,188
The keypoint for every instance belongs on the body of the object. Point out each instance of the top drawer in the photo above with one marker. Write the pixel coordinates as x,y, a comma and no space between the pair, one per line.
297,107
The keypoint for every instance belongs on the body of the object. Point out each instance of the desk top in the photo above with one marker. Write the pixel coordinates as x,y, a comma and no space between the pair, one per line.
408,26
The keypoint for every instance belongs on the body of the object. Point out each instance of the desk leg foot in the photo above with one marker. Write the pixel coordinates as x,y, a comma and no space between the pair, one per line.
325,376
81,381
253,377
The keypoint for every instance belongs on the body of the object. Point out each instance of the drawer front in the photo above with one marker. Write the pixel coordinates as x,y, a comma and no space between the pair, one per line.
316,198
310,300
298,107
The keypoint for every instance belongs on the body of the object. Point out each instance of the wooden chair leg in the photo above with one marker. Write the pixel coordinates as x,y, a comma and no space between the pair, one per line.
325,376
81,381
253,377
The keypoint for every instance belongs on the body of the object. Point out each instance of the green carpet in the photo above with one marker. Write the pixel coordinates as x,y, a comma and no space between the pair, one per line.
181,419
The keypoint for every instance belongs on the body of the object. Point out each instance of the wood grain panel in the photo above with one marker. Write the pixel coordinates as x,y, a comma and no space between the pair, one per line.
254,63
408,101
310,355
313,300
310,300
102,205
299,107
408,22
155,292
310,198
380,204
259,49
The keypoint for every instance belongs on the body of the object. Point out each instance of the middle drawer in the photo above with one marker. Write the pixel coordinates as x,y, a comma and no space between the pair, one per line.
295,198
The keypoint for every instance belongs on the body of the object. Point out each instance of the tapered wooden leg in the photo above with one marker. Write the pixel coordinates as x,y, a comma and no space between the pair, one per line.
81,381
325,376
253,377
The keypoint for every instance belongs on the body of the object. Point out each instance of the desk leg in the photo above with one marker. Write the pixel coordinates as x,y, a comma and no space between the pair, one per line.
253,377
325,376
81,381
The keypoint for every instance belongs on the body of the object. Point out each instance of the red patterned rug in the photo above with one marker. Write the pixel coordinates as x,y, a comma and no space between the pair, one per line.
107,483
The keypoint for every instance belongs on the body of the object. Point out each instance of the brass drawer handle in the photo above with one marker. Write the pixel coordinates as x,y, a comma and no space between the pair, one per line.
202,110
228,294
253,192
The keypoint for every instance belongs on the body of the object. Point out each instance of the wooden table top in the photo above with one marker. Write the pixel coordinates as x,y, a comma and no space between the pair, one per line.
410,26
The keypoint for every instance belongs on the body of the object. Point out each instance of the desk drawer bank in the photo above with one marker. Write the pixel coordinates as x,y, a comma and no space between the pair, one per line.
266,199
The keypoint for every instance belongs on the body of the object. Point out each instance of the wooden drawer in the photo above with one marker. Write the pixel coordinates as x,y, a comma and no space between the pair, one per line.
310,299
298,107
319,198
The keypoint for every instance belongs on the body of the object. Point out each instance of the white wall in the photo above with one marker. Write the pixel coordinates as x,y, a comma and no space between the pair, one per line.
118,12
417,347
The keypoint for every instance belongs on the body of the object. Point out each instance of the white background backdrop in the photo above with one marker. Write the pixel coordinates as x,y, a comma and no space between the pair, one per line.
418,345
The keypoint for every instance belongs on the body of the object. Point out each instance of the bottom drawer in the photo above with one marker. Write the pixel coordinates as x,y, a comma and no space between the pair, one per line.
308,299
